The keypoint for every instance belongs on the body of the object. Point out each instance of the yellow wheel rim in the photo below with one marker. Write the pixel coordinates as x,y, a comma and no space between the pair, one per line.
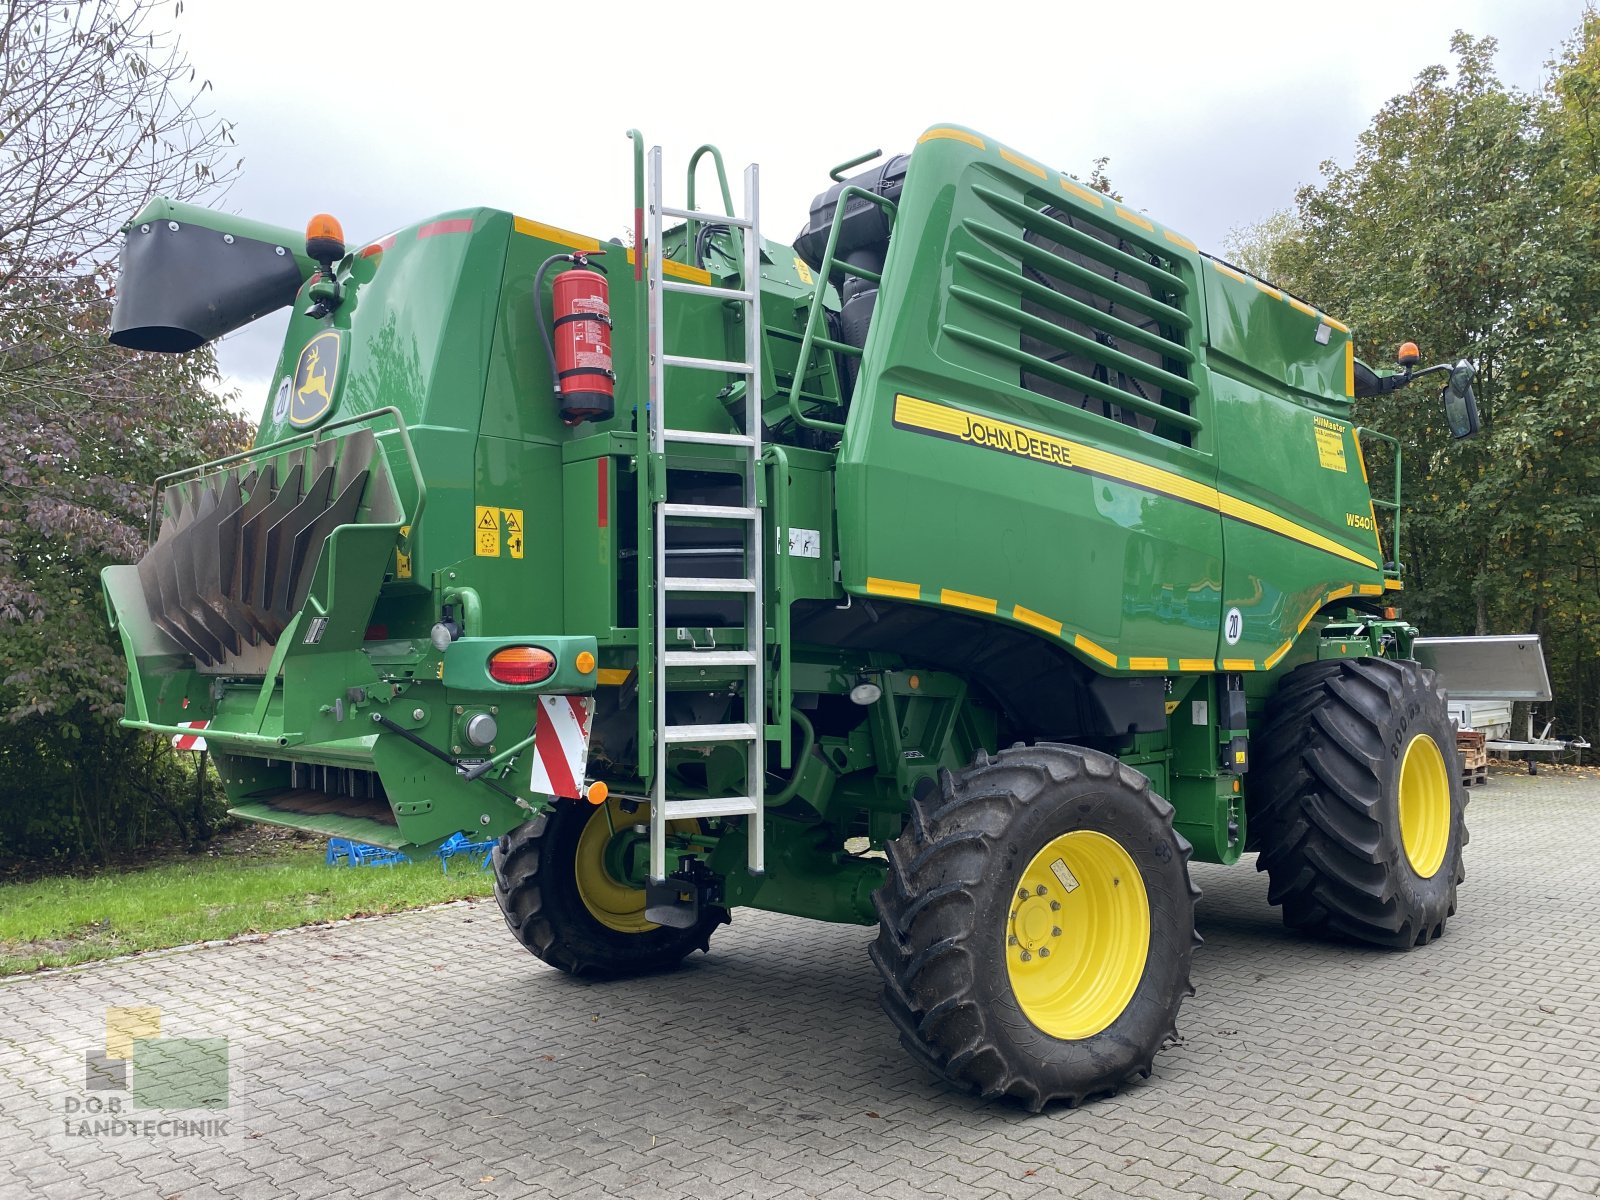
1077,935
615,904
1424,806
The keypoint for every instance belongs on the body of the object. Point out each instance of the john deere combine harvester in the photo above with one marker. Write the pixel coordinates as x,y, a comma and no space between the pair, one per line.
964,569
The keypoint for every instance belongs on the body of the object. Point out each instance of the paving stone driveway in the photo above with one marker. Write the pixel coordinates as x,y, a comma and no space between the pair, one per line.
428,1055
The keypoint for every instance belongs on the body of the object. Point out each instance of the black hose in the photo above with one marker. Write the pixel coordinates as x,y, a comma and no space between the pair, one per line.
538,316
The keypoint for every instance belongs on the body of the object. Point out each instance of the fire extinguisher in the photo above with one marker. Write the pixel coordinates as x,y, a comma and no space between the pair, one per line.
580,357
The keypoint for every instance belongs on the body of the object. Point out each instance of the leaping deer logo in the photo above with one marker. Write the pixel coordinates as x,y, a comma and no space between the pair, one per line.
313,393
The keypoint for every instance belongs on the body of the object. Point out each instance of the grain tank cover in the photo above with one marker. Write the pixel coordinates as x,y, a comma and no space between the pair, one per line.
189,275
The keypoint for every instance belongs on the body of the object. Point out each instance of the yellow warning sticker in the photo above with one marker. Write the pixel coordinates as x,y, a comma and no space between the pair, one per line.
802,270
513,524
1330,444
402,560
1172,706
486,527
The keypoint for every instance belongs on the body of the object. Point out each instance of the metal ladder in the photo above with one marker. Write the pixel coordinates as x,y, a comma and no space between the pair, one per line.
746,515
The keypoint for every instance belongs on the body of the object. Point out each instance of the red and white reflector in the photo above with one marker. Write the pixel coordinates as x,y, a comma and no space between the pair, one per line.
189,741
561,745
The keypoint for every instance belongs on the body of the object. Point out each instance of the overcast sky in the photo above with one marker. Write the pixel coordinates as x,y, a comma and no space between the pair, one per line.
1212,114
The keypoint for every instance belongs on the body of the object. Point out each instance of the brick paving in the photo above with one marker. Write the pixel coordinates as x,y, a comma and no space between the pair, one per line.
428,1055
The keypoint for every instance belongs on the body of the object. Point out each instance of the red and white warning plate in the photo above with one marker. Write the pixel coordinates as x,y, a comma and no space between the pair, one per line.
189,741
561,745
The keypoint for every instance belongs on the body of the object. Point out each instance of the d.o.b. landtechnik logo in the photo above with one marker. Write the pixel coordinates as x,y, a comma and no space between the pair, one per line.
168,1075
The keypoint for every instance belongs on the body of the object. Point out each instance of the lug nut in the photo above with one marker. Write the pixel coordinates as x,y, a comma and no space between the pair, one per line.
1042,890
1055,906
1044,951
1056,932
1026,957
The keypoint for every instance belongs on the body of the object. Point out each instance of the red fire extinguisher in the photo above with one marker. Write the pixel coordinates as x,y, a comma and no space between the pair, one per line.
580,357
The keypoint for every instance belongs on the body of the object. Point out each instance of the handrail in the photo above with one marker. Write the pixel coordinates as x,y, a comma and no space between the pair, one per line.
837,174
1392,505
314,436
638,204
782,683
819,291
691,229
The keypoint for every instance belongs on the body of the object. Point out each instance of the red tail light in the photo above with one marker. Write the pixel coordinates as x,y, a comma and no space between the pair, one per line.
522,664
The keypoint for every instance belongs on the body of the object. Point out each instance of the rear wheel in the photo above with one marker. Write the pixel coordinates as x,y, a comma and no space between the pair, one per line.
557,883
1356,802
1037,926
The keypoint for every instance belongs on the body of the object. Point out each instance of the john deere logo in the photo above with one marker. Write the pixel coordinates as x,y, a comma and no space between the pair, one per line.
314,377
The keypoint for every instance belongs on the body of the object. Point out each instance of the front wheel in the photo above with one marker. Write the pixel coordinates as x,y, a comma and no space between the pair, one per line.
1037,926
1356,802
557,883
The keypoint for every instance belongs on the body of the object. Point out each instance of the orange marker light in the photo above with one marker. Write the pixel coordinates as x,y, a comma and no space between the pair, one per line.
324,225
584,662
522,664
324,239
597,792
1409,355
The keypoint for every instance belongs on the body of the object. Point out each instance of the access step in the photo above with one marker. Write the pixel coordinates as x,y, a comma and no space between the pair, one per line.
711,512
677,735
686,583
720,806
709,658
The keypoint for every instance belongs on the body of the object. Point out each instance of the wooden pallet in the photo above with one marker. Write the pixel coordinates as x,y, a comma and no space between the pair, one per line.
1474,755
1475,776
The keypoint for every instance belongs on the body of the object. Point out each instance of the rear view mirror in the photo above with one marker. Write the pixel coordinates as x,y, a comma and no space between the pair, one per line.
1460,406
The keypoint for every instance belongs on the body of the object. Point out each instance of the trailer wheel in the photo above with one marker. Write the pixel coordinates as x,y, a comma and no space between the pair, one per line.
562,901
1356,802
1037,926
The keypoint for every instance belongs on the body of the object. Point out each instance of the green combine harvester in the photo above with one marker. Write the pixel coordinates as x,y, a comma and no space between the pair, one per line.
963,569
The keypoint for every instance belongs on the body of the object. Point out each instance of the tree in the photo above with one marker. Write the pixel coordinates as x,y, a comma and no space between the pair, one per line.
1469,222
99,114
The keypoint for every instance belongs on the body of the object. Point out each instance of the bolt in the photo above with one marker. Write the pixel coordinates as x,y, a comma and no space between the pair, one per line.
418,714
1012,940
1055,906
1042,890
172,225
484,819
1056,932
1026,957
455,749
228,238
1044,951
281,251
1022,893
494,710
459,710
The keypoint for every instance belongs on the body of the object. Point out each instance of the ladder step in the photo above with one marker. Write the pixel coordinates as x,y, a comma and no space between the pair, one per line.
708,439
722,806
705,289
681,734
709,658
705,218
717,512
706,364
686,583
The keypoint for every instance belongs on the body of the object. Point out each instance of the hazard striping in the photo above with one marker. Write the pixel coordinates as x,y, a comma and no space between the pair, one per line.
190,741
486,531
561,745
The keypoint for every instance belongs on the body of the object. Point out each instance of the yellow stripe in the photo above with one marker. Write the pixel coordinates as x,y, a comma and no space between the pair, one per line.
967,600
1268,289
1371,589
1083,193
1197,664
552,233
1340,593
1147,664
1238,664
1361,458
940,418
1301,305
1135,219
1393,585
1177,239
1016,160
612,676
954,135
1038,620
1230,272
1350,370
1243,510
680,270
1339,325
1094,651
893,587
1277,654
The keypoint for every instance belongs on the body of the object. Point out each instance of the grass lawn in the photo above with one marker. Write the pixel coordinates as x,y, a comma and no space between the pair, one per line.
273,883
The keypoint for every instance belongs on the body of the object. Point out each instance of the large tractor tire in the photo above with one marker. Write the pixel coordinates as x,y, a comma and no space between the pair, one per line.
564,905
1356,802
1037,926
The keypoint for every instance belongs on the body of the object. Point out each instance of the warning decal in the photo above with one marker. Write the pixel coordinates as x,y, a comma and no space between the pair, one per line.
486,530
513,524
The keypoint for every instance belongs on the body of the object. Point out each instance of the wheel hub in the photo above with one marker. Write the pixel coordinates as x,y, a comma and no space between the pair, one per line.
1424,806
1077,934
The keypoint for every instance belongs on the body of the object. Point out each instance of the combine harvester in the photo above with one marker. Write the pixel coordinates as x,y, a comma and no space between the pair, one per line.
963,569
